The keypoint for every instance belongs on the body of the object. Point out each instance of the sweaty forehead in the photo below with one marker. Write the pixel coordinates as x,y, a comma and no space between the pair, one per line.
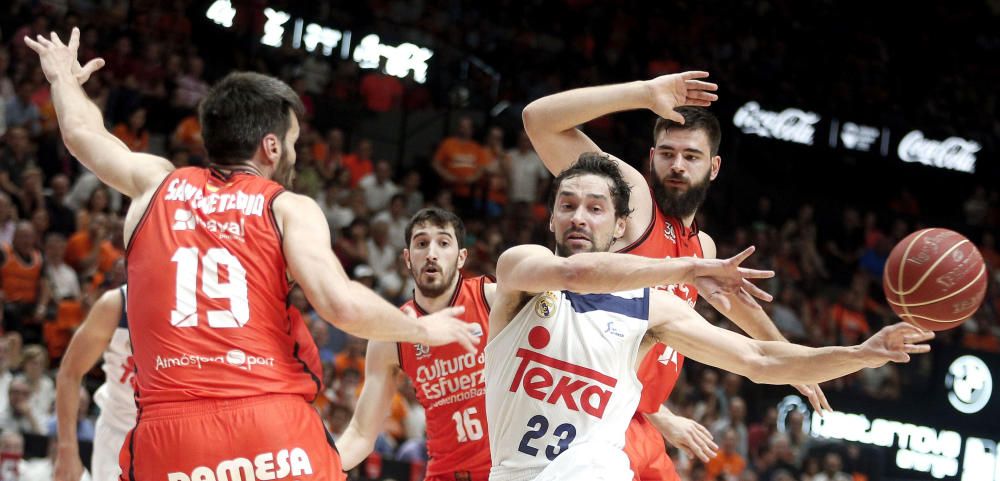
683,139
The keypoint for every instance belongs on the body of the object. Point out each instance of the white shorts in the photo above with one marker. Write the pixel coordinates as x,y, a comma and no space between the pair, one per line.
591,461
585,461
109,435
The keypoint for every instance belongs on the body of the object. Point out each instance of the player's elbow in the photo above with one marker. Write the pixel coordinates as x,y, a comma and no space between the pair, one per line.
342,311
529,116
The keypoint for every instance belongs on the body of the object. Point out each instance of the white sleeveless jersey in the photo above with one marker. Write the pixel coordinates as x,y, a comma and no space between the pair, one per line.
115,397
561,374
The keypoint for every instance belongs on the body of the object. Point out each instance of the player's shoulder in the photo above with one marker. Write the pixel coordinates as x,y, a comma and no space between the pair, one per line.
708,247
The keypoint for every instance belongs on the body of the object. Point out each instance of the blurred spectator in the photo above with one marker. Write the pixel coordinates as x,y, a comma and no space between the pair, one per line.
24,292
62,219
381,253
396,218
832,469
17,415
43,389
379,187
352,247
20,111
727,462
133,132
528,176
16,157
359,163
461,161
85,426
411,190
735,421
382,92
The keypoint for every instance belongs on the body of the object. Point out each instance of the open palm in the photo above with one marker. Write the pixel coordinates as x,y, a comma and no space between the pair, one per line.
668,92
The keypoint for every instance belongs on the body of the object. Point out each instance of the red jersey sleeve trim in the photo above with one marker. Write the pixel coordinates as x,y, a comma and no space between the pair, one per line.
277,230
649,228
145,213
482,290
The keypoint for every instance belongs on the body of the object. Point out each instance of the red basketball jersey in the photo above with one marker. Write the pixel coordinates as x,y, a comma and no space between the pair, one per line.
450,385
659,370
207,293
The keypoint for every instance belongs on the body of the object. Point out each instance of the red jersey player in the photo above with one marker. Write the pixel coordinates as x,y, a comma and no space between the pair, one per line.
683,161
221,386
448,380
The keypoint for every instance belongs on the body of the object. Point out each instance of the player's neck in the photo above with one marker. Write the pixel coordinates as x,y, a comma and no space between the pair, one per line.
434,304
688,220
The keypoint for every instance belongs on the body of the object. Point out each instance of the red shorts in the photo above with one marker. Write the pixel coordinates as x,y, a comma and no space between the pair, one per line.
647,453
276,436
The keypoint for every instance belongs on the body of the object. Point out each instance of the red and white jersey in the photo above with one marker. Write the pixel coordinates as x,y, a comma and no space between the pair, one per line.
207,293
665,237
116,397
451,388
562,374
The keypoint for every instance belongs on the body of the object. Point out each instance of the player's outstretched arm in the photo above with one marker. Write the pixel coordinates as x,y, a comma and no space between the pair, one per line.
373,406
89,341
771,362
534,268
741,308
82,124
347,304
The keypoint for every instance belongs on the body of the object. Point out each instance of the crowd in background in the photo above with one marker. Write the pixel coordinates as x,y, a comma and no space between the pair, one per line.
61,228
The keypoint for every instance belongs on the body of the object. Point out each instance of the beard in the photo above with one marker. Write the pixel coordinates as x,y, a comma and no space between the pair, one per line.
284,172
436,288
676,203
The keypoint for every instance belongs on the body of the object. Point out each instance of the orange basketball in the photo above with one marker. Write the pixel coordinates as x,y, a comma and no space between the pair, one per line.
935,278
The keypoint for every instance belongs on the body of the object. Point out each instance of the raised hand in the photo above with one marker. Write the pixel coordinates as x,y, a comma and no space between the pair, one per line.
668,92
815,395
59,60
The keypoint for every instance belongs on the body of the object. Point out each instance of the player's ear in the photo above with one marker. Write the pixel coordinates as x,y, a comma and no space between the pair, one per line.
716,164
271,147
406,259
463,254
620,224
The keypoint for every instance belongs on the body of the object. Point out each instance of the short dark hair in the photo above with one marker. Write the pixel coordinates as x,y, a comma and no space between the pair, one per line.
240,110
437,217
599,164
695,118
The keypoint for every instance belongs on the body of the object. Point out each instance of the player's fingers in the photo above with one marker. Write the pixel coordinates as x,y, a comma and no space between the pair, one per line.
44,41
676,117
466,344
757,292
822,396
453,311
917,348
694,74
55,39
700,85
89,69
37,47
704,453
699,103
755,273
742,256
74,39
701,95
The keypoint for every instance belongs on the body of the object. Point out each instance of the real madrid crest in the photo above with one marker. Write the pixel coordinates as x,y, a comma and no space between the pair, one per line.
545,305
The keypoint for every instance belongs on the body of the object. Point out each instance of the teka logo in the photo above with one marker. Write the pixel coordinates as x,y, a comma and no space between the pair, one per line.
552,380
264,467
969,383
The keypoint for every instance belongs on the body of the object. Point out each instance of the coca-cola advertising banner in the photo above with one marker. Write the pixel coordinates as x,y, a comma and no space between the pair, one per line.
806,128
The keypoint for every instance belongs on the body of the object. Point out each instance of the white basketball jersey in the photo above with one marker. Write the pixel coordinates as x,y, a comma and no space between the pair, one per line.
562,373
115,397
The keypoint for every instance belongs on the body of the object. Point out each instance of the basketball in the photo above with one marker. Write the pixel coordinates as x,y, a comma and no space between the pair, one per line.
935,278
